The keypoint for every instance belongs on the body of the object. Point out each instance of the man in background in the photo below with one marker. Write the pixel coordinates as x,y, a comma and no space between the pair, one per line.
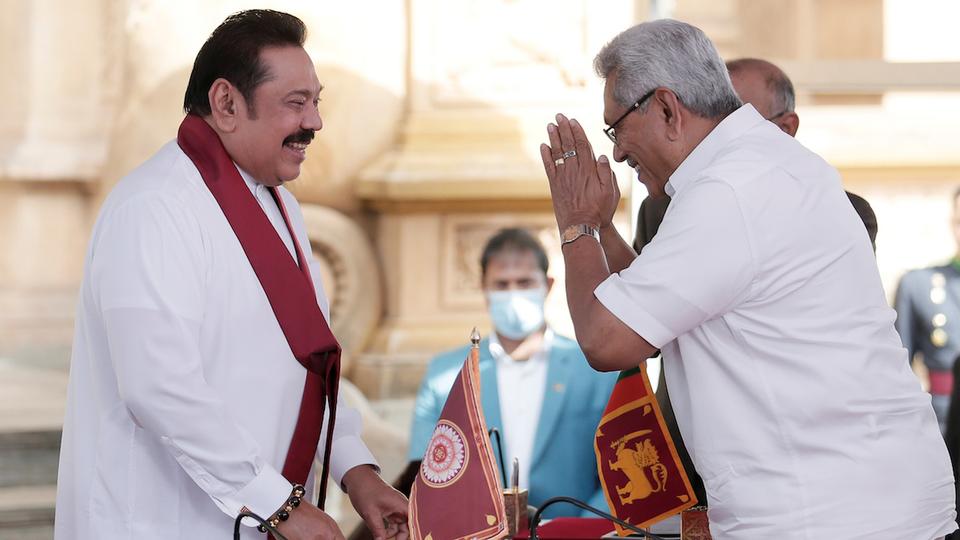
537,388
928,319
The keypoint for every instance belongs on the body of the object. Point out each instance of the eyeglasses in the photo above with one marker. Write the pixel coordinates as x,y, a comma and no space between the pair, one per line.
611,131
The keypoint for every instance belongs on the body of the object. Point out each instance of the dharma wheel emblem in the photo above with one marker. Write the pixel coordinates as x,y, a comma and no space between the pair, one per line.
446,455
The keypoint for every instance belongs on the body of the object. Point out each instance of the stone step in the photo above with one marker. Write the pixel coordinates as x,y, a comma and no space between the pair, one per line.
29,458
26,513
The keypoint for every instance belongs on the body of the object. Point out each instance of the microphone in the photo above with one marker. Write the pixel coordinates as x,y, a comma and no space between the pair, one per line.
580,504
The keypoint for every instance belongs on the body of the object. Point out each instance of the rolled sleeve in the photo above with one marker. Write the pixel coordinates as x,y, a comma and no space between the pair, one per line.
698,266
617,295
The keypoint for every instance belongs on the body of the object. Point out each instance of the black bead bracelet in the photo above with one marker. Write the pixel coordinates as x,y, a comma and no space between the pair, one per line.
283,513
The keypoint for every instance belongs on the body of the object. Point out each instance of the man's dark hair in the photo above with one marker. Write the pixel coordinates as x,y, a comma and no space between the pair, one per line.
232,52
513,239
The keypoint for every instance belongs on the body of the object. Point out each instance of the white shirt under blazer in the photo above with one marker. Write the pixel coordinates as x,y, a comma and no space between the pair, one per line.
183,391
790,385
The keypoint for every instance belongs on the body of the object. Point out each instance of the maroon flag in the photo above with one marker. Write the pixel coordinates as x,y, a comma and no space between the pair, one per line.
640,471
457,494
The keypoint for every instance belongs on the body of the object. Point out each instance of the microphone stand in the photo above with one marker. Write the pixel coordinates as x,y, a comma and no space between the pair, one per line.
580,504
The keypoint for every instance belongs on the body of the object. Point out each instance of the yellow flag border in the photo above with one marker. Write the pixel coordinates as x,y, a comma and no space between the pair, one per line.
649,399
478,425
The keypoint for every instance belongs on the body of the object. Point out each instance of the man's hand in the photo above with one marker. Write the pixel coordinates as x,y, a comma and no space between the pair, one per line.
583,190
307,522
610,198
382,508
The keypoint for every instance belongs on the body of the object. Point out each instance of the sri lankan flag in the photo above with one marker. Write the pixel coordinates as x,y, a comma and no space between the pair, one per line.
638,464
457,494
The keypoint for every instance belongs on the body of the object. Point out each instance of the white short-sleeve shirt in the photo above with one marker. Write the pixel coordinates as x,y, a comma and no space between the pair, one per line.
790,385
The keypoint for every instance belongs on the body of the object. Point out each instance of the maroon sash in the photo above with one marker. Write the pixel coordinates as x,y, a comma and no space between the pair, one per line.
289,290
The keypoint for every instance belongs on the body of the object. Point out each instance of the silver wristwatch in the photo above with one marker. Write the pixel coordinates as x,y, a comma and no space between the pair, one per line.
574,232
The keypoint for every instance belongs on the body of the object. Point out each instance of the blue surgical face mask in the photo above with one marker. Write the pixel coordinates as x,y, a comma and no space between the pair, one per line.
517,313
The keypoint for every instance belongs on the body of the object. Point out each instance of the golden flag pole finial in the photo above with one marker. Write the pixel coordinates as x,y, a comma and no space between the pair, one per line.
475,338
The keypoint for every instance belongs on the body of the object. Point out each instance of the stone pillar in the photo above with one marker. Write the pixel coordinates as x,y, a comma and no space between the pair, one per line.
484,84
54,109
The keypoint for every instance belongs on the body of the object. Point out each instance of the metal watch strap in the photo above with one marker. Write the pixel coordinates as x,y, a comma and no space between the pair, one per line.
573,232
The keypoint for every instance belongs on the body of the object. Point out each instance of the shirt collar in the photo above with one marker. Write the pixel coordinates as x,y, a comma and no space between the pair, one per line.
730,128
252,184
501,356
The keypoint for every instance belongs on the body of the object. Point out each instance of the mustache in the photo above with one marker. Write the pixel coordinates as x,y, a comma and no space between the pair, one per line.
304,136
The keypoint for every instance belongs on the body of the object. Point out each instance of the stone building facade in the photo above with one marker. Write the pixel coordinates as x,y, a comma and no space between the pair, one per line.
433,113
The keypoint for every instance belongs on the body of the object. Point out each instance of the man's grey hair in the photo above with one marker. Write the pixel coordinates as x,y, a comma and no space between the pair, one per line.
784,96
670,54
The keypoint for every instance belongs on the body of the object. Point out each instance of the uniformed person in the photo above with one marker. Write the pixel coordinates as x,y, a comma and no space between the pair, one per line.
928,319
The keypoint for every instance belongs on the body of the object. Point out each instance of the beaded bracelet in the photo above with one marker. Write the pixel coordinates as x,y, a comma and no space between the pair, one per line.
283,513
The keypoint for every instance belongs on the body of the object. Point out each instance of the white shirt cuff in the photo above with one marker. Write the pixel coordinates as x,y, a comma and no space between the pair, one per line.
347,453
264,495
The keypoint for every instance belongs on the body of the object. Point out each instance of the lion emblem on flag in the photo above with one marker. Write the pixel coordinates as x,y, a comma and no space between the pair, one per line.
642,467
446,455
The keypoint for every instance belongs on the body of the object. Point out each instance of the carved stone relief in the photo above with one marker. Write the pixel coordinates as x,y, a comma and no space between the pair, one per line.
350,276
464,237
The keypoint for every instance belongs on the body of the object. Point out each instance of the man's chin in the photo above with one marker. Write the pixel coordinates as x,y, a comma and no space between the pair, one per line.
654,189
288,176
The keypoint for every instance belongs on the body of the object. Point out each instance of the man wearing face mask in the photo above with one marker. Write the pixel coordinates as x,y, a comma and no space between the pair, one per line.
537,388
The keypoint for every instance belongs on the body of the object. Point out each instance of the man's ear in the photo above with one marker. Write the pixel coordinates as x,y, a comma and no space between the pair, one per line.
669,108
789,123
549,284
224,105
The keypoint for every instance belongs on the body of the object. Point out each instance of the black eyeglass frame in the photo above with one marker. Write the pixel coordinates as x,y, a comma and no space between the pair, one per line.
611,130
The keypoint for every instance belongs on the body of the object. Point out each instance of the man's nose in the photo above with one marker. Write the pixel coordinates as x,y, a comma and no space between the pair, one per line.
313,121
618,154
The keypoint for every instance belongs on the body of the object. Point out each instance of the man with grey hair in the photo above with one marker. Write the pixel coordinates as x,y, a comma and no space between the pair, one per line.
788,380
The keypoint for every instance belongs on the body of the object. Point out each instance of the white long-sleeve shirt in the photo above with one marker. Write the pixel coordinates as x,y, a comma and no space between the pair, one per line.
183,390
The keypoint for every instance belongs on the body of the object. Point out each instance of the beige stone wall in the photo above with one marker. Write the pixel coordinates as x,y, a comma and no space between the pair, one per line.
54,109
433,112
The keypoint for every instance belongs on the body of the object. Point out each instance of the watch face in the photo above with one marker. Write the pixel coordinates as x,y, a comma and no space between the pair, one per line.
573,232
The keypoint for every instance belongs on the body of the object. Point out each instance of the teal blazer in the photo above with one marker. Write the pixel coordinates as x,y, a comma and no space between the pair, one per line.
564,462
